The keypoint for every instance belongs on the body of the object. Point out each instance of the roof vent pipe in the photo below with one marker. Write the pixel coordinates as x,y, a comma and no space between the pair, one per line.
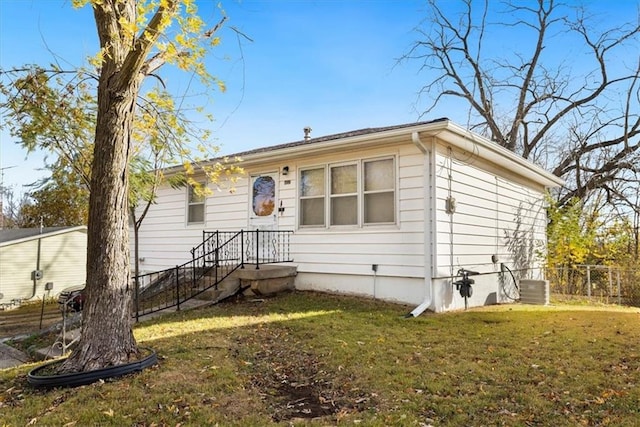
307,133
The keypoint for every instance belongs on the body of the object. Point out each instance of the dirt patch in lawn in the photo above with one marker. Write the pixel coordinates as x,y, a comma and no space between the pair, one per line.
294,383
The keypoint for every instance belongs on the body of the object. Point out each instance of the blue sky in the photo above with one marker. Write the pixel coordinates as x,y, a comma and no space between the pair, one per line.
330,65
324,64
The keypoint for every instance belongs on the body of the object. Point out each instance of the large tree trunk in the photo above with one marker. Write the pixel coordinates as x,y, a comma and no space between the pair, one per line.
107,337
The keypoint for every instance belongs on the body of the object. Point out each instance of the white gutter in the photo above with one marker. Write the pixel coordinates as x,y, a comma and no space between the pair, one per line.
484,148
429,224
366,140
445,130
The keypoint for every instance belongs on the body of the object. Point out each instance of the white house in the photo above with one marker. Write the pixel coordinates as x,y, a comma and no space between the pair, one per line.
31,258
390,213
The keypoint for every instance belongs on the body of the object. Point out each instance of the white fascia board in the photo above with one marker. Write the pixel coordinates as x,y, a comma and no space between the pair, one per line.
369,140
445,130
387,137
486,149
353,142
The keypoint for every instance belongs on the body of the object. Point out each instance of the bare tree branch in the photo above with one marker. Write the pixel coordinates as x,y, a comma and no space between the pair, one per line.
583,123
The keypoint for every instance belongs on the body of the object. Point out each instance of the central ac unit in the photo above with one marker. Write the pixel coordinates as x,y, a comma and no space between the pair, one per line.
534,292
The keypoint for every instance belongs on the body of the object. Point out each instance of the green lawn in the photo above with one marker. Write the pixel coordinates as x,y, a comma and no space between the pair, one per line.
307,358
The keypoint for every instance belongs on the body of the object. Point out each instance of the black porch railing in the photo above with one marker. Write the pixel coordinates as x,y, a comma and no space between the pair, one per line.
256,246
213,260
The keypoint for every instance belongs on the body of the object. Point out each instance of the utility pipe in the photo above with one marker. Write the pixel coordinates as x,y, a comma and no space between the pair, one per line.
35,279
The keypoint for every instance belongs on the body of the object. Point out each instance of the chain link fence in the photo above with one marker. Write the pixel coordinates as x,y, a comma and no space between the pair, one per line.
607,284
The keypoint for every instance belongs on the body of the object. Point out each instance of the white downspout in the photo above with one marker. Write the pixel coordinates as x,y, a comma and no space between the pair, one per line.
428,227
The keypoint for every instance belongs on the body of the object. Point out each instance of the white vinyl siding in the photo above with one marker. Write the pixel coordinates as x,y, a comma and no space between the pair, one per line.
397,254
396,246
490,213
411,192
165,235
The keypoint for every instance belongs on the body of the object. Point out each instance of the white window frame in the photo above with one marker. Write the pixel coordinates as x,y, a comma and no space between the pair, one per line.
331,197
359,194
191,203
393,189
323,197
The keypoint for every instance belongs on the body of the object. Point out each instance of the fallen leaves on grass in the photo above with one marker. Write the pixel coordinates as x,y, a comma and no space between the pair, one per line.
294,382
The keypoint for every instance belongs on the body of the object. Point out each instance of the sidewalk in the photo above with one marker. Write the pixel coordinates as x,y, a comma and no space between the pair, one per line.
10,357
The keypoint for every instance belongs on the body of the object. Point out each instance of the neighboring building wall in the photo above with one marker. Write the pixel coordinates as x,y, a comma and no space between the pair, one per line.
62,261
496,213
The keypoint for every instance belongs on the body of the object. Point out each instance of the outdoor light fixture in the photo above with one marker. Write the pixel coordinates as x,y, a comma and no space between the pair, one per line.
285,170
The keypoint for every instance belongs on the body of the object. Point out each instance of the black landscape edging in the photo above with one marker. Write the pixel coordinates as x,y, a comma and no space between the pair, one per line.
75,379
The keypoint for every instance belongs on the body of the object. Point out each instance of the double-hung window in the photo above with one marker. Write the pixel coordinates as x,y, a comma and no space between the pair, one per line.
344,195
195,206
357,193
312,196
379,191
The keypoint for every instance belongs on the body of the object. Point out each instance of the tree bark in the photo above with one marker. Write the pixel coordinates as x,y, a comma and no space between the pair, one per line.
106,336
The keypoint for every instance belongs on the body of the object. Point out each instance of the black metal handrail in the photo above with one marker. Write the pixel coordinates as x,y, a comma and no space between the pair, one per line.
259,246
213,260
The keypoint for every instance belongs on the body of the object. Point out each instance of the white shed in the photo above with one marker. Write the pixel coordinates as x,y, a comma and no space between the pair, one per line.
30,258
391,213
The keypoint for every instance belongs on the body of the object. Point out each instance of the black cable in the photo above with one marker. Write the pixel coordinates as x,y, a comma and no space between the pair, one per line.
515,283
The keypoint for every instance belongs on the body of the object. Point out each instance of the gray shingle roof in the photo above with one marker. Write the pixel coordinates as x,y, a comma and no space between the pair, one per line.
11,234
349,134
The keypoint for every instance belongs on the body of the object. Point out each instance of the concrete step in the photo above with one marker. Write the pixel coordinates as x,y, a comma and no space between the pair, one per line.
226,289
266,271
268,279
193,303
230,284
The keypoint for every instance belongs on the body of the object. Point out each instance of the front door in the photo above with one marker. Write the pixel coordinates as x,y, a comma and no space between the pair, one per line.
263,216
263,210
